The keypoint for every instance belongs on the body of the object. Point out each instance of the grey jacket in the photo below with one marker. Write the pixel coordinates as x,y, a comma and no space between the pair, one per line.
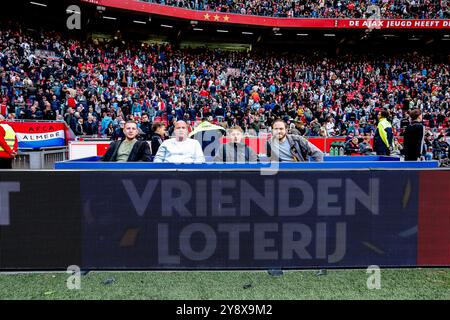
235,152
300,149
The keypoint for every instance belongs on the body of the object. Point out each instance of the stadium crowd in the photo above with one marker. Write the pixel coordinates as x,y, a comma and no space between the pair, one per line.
389,9
96,87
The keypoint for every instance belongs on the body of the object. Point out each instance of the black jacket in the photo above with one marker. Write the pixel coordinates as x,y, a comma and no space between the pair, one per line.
79,130
90,128
413,141
118,134
146,127
156,142
235,152
140,152
350,148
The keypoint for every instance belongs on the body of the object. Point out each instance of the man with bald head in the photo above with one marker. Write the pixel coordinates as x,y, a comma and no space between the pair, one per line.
180,149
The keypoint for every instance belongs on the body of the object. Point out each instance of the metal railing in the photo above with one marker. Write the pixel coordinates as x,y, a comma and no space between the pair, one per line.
43,158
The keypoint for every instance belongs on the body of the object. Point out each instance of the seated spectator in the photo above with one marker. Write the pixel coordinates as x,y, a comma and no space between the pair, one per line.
323,132
351,146
397,148
440,148
105,123
128,149
180,149
350,136
119,133
365,147
90,126
283,147
49,113
427,152
70,119
79,130
235,150
33,113
159,129
109,130
146,127
293,129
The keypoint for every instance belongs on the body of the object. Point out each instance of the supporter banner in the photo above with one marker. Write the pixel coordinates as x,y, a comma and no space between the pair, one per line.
230,18
37,135
224,220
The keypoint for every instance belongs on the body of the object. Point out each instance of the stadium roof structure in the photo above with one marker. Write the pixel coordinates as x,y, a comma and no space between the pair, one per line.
148,22
222,18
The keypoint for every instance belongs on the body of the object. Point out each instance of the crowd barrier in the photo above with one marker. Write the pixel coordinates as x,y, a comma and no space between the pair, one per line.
43,158
264,164
156,220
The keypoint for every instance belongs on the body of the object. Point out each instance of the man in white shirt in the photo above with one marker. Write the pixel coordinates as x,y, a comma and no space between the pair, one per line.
180,149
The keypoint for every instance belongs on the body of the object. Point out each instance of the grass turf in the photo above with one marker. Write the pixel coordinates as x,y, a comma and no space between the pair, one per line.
336,284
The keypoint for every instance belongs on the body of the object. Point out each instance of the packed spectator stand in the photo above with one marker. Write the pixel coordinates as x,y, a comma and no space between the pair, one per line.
94,87
388,9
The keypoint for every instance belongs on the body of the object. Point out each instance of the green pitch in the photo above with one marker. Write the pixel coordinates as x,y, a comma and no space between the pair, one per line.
335,284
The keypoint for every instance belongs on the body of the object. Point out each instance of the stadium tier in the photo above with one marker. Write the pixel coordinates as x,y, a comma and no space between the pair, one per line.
93,86
388,9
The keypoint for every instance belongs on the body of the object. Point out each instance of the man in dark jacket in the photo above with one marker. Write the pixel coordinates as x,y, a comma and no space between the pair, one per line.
285,147
90,126
128,149
159,129
146,127
119,132
414,137
352,146
440,148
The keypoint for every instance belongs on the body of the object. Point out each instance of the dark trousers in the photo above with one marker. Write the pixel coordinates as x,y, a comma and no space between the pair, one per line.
383,153
411,157
6,163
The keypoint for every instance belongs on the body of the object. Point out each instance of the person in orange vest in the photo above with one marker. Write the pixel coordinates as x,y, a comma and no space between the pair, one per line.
8,146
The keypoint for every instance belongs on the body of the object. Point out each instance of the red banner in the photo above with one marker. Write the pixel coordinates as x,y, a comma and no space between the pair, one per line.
433,242
35,135
240,19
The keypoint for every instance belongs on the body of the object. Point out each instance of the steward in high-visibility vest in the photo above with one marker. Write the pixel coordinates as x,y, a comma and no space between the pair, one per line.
384,136
8,146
